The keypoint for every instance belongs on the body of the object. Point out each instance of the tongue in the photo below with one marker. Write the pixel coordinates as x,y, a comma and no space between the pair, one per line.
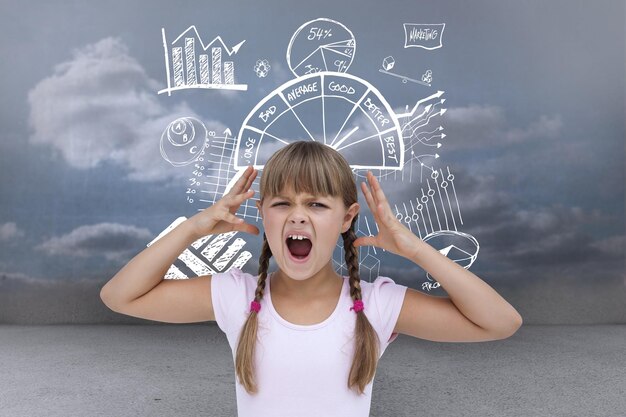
299,247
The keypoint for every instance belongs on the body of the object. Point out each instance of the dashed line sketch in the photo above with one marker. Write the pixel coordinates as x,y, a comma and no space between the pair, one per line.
340,110
184,141
321,45
262,68
388,64
210,254
427,36
190,68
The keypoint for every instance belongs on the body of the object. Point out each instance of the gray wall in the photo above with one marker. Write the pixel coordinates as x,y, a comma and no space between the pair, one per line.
534,123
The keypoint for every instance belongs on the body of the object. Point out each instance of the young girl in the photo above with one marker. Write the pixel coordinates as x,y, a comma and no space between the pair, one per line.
306,341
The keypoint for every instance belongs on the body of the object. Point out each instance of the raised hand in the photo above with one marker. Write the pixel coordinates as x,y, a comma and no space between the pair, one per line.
392,235
220,217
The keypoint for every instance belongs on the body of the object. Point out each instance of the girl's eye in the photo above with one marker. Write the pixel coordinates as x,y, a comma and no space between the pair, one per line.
314,204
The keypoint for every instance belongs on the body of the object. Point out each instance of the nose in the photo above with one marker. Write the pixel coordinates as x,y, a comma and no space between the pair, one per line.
297,216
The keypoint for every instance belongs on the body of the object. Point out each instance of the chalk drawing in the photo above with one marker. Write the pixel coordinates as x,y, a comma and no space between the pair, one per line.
184,141
191,68
340,110
262,68
210,254
321,45
426,36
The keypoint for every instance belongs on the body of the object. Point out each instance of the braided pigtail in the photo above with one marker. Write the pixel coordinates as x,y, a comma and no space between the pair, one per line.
244,362
366,342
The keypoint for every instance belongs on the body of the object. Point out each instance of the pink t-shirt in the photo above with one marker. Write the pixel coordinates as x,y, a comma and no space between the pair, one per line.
303,370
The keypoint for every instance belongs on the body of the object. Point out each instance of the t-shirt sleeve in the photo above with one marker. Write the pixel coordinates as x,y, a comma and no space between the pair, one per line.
387,297
227,291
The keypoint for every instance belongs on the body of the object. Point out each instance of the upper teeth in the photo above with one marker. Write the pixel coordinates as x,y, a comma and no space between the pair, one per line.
299,237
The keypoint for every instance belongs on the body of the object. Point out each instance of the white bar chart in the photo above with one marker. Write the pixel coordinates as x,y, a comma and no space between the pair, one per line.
192,66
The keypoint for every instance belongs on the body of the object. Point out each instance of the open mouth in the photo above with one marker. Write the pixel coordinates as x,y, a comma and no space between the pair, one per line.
299,247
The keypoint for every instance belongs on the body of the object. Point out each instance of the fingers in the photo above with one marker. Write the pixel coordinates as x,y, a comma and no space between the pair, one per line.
239,225
377,191
364,241
376,200
242,184
368,198
251,179
240,198
373,200
247,228
246,180
241,189
231,218
375,197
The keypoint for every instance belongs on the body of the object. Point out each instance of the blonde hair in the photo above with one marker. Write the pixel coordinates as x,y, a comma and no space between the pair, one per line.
319,170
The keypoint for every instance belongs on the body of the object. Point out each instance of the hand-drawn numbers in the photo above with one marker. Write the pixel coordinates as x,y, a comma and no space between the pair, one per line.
319,33
341,65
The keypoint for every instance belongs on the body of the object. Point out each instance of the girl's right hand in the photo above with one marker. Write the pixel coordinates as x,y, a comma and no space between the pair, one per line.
220,217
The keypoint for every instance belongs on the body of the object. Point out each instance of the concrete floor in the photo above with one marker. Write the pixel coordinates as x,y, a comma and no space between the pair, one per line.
187,370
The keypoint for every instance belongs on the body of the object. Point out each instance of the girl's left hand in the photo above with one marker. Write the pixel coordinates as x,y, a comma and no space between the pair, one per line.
392,235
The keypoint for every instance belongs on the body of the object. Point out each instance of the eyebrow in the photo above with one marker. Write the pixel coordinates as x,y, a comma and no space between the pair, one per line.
307,197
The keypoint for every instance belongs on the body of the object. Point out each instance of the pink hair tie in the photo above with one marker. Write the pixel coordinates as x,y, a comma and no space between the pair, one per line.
358,306
255,306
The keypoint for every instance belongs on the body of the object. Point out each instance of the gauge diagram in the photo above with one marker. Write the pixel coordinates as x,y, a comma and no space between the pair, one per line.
340,110
320,45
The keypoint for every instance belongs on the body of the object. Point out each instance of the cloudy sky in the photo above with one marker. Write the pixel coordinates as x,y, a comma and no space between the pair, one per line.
534,127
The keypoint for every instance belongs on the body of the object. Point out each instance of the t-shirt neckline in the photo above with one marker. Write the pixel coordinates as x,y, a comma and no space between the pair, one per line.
315,326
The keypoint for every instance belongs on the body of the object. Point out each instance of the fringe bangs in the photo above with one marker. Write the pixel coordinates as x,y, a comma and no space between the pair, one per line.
305,168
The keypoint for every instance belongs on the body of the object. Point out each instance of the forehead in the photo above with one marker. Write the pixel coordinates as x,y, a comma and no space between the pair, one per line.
289,193
303,195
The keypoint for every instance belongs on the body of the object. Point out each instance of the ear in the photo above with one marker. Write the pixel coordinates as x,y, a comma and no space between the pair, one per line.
347,220
258,206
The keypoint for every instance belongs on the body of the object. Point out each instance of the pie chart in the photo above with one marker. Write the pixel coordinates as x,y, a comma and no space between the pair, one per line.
340,110
320,45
